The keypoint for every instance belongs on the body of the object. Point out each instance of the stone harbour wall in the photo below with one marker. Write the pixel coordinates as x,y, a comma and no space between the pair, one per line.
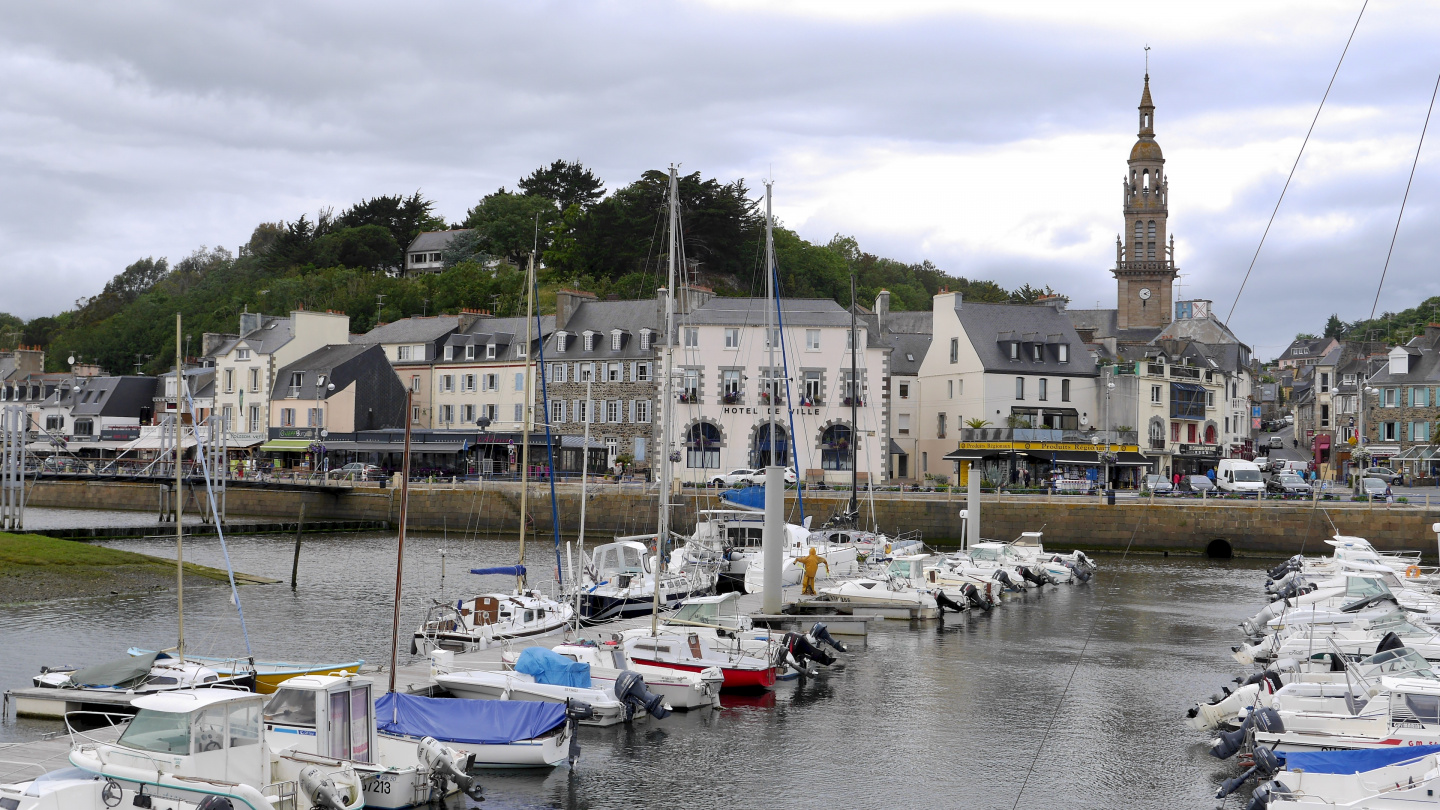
1179,526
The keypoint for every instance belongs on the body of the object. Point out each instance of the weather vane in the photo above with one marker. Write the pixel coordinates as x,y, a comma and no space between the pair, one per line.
1147,60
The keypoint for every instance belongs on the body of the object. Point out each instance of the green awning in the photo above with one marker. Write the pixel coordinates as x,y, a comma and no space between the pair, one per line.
286,446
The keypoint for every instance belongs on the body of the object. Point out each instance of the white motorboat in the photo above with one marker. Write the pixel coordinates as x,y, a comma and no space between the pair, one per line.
476,623
620,581
492,733
841,560
192,747
1028,551
737,535
868,544
1402,712
1391,779
1363,635
892,589
142,673
540,674
680,689
330,718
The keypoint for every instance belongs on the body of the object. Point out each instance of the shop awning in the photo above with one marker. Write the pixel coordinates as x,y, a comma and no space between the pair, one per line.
576,442
286,446
1080,457
153,439
896,449
1128,459
1419,452
973,455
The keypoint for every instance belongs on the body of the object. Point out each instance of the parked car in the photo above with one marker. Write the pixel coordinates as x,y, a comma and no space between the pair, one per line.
1196,483
1288,484
1158,484
356,471
1239,475
1373,487
1275,443
1383,473
1289,419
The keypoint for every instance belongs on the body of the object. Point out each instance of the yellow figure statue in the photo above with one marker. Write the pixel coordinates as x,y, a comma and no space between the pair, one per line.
811,563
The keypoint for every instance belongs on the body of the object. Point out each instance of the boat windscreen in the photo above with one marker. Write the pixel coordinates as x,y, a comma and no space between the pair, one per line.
291,707
1403,661
161,732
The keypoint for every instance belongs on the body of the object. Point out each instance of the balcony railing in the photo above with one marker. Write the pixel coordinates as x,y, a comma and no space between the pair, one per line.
1155,369
1185,372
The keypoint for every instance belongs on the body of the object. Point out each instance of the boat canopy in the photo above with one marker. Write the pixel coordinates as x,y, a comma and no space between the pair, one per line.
752,498
1357,761
549,667
508,570
477,722
123,674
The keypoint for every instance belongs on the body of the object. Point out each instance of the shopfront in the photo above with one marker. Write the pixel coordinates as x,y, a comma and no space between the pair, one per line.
1195,459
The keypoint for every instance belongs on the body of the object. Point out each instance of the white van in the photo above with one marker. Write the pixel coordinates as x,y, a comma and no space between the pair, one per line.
1239,475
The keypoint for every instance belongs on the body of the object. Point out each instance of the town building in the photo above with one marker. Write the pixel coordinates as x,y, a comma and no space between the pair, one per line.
730,395
426,253
1403,415
328,398
1306,352
246,365
412,345
90,417
909,335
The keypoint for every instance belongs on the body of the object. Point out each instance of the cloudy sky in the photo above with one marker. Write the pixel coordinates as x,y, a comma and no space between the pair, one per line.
987,137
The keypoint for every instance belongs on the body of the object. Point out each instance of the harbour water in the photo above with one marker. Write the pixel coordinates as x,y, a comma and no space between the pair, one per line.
925,715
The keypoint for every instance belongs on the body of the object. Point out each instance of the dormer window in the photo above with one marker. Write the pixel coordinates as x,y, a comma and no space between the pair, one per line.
589,341
560,340
1037,352
1062,352
1014,351
616,338
470,351
521,349
449,353
645,337
489,351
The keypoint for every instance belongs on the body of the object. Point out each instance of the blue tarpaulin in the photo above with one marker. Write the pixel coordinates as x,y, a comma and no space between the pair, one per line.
1358,761
481,722
509,570
745,498
547,666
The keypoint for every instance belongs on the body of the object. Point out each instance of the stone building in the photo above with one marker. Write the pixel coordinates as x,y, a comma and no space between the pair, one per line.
1403,415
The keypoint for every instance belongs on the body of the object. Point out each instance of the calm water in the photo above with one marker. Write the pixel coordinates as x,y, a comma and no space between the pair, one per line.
928,716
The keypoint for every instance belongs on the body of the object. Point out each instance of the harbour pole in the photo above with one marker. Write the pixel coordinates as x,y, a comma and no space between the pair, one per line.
662,528
772,535
400,548
179,528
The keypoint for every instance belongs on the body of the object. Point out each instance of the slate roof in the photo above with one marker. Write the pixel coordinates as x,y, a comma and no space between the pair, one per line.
435,240
1105,323
909,352
411,330
1424,352
273,333
500,331
1304,348
918,322
602,317
990,326
797,313
107,396
331,361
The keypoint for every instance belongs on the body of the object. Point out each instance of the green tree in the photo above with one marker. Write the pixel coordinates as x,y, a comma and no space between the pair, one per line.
1334,328
506,223
566,183
367,247
404,217
1304,336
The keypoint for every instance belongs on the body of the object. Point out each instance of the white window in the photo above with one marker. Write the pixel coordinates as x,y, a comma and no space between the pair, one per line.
646,336
415,383
491,412
902,424
814,386
467,414
732,338
519,381
904,390
612,411
560,342
1349,379
287,417
812,340
489,351
1155,394
521,349
242,354
417,258
297,379
692,337
557,372
470,351
492,382
1037,352
616,337
447,414
469,383
229,380
227,416
402,352
642,372
254,418
616,372
254,380
449,353
1062,352
1209,399
447,382
1014,351
772,340
519,412
642,411
415,414
589,341
584,372
557,412
949,385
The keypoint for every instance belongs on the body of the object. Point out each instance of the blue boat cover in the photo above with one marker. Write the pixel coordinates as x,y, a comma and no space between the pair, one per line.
745,497
549,667
509,570
1358,761
481,722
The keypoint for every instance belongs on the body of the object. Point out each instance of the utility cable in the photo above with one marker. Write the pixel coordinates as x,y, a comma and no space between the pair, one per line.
1401,215
1297,162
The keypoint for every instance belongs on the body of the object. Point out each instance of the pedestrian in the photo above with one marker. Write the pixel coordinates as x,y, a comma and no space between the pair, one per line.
1175,480
810,565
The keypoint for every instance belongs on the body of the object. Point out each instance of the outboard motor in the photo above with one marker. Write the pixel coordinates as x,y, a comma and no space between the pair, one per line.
1292,564
1260,799
973,594
819,632
1081,573
320,791
1030,577
1082,559
1002,577
1266,765
946,603
1389,641
215,803
1227,744
443,768
801,651
630,689
575,711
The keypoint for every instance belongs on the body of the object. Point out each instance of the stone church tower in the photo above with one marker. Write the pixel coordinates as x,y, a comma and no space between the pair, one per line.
1144,263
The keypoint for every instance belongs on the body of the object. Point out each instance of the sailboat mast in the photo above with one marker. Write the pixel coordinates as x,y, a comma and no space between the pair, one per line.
770,331
667,407
524,454
400,548
854,408
179,501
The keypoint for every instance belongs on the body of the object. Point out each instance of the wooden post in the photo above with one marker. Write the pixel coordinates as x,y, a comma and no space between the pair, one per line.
299,527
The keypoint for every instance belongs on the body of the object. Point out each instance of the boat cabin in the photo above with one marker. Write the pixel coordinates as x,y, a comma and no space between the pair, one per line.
721,611
620,562
199,733
911,566
324,714
1029,540
997,553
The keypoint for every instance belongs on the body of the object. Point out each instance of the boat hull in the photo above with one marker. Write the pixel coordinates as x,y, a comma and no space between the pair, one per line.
737,679
546,751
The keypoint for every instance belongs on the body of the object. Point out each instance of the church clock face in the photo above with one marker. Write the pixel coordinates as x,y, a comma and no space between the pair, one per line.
1144,293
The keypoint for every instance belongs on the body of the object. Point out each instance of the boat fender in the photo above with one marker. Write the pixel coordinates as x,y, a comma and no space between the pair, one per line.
946,603
444,768
630,690
320,791
821,633
973,594
1389,641
215,803
575,711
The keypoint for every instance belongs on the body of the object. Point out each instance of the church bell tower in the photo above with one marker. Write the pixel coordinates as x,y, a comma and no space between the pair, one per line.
1144,263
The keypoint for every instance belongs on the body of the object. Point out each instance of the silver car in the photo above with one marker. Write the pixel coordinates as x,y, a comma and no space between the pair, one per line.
1373,487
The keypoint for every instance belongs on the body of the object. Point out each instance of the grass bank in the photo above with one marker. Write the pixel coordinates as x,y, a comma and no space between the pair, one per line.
34,568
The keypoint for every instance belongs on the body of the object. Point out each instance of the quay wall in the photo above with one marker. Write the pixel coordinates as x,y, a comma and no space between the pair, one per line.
1175,526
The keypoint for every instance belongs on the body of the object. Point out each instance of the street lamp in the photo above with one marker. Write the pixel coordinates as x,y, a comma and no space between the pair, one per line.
1360,454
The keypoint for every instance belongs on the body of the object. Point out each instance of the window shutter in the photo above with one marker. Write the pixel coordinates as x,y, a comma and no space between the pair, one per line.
632,410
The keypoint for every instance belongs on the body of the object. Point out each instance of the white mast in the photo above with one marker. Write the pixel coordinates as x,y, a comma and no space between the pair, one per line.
667,404
770,336
525,415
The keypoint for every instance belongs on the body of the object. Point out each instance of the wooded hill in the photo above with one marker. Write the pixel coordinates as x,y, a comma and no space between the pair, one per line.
610,244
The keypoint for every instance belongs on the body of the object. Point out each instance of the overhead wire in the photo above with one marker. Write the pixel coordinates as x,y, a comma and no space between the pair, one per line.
1404,199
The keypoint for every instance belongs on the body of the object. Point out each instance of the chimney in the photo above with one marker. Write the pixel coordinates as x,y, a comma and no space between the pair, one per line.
210,341
249,322
882,309
566,303
468,317
1432,335
691,298
1056,301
